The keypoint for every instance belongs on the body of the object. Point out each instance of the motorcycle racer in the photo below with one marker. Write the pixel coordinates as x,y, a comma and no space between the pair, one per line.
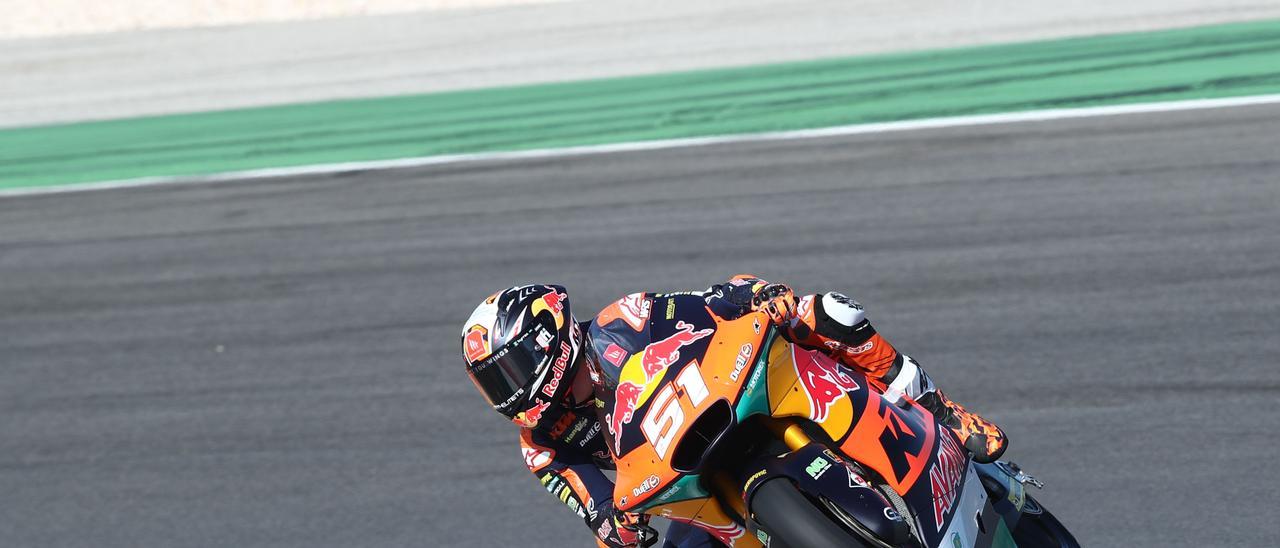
537,365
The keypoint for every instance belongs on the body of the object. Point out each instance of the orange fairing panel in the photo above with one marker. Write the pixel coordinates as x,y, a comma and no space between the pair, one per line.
910,432
710,518
801,384
678,391
808,384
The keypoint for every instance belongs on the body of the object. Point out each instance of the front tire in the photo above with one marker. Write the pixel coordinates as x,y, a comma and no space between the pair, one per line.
1042,528
794,521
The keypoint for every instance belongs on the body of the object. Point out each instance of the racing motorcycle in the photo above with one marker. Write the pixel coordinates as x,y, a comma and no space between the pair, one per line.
729,427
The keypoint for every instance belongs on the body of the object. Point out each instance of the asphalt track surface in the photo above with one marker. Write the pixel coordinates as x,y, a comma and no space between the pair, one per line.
275,362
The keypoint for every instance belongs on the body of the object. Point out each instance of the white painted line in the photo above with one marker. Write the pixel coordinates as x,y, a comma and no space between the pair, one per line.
858,129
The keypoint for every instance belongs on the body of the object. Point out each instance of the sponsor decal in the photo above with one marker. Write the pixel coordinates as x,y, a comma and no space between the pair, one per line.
669,493
615,354
605,529
845,300
529,418
755,324
671,308
763,537
755,378
553,483
535,458
645,486
891,514
591,434
850,350
552,302
856,479
544,338
563,424
818,467
635,310
945,476
476,343
823,382
955,540
557,371
747,486
662,354
1017,493
744,355
804,307
624,406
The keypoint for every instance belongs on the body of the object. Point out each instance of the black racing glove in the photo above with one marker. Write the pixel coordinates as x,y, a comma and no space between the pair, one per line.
616,529
776,300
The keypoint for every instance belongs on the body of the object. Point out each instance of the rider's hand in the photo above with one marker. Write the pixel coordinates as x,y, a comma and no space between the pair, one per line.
776,300
615,529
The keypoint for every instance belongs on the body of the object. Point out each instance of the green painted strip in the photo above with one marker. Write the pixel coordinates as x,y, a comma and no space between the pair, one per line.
1207,62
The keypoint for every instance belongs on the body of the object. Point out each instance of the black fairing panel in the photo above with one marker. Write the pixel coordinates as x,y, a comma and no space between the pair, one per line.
818,472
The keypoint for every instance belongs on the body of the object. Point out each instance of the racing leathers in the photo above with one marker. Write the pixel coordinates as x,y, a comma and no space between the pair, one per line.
568,457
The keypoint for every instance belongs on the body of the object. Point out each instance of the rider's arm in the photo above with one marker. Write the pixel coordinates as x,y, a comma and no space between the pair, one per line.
831,323
837,325
573,478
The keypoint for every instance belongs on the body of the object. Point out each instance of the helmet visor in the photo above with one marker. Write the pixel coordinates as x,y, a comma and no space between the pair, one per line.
504,376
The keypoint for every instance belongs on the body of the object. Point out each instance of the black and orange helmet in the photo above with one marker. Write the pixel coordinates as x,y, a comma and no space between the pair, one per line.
523,347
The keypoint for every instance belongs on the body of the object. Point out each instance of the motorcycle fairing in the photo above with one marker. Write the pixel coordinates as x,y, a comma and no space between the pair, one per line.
899,443
701,373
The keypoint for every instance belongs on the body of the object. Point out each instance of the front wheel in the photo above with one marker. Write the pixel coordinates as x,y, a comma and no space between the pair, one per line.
1039,527
794,521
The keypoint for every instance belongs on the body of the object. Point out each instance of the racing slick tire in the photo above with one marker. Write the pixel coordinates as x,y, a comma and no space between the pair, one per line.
1038,527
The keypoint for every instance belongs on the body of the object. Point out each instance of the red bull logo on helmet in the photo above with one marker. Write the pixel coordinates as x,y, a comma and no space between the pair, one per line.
624,406
666,352
552,302
823,382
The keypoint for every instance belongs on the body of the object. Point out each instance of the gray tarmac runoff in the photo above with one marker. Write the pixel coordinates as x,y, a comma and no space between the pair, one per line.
276,362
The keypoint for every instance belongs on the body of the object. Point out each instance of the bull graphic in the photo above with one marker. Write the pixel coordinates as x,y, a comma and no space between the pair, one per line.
624,406
823,382
662,354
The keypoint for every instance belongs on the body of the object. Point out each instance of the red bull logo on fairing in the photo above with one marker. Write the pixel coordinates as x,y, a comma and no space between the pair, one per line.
624,407
823,382
664,353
